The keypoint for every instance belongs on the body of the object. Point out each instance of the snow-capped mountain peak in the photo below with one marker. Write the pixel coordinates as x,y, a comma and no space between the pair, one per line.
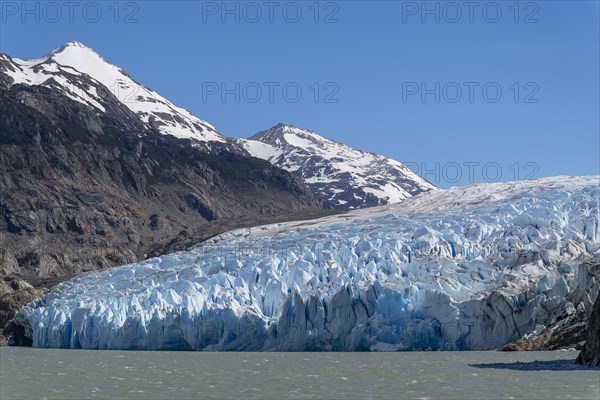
282,134
69,54
83,75
341,176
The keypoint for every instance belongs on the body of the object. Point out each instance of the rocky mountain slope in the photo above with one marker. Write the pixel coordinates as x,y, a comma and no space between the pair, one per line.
467,268
86,183
342,177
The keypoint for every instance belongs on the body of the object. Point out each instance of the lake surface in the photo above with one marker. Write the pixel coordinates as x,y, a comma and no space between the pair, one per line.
79,374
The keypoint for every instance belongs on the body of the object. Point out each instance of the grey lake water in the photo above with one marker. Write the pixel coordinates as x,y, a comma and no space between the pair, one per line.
78,374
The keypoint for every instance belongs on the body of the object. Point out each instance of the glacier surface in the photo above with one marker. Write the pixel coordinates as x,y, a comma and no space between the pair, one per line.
464,268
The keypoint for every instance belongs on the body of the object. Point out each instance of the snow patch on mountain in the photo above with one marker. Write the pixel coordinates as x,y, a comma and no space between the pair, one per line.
467,268
341,176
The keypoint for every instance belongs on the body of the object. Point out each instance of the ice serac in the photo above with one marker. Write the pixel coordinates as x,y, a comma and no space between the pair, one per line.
342,177
84,76
464,268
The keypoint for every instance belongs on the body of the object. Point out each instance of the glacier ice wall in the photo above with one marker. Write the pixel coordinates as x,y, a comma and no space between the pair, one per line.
464,268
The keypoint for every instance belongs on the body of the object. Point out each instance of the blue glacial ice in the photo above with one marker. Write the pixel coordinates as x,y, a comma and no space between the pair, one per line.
463,268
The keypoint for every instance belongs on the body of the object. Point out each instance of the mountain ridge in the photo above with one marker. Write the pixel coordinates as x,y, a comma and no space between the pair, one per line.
340,176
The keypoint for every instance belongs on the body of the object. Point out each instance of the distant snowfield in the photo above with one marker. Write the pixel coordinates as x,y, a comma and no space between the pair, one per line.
464,268
479,196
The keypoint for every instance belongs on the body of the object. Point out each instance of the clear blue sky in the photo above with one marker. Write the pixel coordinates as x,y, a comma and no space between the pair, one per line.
371,56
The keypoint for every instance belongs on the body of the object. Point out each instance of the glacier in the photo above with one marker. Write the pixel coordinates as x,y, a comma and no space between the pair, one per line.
466,268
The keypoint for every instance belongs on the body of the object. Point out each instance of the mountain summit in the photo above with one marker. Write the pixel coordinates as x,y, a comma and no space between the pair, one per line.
83,75
339,175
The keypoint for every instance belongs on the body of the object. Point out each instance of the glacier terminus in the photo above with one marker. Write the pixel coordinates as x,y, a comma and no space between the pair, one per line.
466,268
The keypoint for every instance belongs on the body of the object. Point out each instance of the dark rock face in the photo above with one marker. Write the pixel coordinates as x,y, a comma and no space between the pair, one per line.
590,354
15,292
563,336
82,190
569,326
